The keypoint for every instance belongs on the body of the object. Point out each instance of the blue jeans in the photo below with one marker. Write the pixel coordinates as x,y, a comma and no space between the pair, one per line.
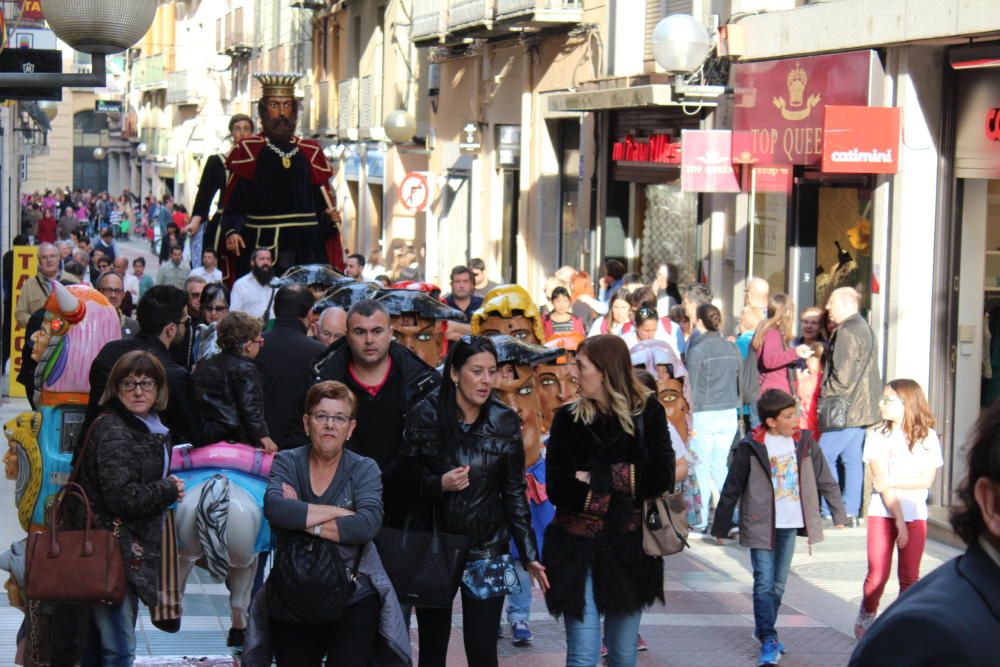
519,604
112,634
770,572
583,637
714,431
846,444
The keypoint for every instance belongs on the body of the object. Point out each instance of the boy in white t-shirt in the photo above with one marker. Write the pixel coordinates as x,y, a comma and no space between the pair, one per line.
777,475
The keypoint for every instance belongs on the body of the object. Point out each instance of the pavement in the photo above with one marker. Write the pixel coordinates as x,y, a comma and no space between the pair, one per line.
707,620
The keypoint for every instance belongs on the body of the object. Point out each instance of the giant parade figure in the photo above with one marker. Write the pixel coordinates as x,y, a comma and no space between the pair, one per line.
278,196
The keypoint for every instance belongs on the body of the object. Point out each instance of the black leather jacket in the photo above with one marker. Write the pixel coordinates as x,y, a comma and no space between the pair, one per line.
228,389
494,507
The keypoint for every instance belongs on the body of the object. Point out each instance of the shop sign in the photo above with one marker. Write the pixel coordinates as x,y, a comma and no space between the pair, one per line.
706,162
861,140
977,133
658,148
25,266
108,106
470,138
31,10
779,105
771,178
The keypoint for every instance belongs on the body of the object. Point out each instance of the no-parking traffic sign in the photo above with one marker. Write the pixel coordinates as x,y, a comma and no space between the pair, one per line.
414,192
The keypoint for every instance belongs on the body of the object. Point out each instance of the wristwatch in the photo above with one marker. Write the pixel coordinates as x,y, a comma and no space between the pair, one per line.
318,529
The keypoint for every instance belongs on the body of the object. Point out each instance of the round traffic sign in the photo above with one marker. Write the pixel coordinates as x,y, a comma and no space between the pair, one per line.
413,192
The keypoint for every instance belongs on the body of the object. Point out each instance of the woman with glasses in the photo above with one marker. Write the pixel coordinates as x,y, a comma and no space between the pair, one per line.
122,469
228,387
466,447
333,494
214,306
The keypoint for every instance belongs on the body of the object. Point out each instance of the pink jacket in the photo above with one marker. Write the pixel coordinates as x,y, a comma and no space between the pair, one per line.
773,361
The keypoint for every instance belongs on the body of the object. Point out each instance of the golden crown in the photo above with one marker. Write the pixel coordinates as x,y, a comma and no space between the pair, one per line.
797,79
276,84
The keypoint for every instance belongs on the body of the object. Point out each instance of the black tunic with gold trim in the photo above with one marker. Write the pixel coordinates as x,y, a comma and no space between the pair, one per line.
275,200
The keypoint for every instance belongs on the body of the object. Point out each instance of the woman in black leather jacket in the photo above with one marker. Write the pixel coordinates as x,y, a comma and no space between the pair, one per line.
467,446
228,389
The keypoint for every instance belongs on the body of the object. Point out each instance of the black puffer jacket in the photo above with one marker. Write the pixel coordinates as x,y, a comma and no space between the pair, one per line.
228,389
494,507
122,473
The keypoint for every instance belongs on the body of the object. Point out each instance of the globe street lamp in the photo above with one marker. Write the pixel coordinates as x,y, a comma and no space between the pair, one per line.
98,27
99,154
680,45
400,127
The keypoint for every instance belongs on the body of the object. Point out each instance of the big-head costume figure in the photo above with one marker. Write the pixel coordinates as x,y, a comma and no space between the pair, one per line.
419,321
556,379
508,310
278,196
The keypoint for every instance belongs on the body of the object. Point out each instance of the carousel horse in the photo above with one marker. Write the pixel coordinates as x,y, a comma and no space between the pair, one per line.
221,519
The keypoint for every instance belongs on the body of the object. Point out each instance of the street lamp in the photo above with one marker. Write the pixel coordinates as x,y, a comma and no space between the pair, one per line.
680,45
400,127
99,154
98,27
49,108
142,150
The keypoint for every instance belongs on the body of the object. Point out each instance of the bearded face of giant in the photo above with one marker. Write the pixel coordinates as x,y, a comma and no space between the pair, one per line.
278,117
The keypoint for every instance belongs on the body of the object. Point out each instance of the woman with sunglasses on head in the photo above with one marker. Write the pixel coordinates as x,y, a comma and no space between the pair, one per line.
648,325
214,306
228,387
465,447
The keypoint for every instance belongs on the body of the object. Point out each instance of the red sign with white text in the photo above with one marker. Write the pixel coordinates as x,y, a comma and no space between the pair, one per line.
657,148
779,105
861,140
32,10
706,162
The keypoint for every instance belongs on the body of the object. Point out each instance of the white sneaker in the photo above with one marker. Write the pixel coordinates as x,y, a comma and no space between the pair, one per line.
863,622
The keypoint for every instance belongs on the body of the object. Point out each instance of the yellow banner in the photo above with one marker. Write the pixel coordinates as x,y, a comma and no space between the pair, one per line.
25,266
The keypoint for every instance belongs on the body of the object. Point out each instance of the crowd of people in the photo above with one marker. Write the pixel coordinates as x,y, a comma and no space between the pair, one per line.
765,427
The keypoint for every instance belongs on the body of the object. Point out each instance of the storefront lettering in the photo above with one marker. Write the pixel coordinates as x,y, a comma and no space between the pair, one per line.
658,148
993,124
795,142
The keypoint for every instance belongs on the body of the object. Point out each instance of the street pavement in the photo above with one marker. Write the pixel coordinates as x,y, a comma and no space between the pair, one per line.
707,620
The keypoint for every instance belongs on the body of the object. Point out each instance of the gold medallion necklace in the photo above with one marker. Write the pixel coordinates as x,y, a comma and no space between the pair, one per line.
286,157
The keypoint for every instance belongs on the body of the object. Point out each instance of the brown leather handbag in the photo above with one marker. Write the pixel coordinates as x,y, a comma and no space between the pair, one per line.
74,565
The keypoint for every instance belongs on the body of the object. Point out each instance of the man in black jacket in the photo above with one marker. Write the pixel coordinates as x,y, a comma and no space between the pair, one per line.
386,378
850,373
287,351
162,315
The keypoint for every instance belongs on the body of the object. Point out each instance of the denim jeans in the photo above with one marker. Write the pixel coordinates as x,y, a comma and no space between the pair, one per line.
714,431
112,634
846,444
519,604
770,572
583,637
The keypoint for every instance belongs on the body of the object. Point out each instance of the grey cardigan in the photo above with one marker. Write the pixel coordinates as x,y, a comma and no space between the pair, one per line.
713,364
357,485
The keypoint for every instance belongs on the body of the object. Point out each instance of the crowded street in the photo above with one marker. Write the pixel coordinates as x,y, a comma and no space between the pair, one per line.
500,333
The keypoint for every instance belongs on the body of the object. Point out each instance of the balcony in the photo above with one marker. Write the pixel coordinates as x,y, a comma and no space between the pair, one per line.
428,22
150,72
470,15
182,88
347,116
157,141
539,13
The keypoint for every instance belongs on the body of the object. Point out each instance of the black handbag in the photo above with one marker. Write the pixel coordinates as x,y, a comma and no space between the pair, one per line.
310,582
831,411
425,567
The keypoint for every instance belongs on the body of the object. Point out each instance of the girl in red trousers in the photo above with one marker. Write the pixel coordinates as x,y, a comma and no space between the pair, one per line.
903,454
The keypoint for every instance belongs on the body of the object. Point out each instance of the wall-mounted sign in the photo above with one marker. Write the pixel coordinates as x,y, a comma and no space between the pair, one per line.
508,146
31,10
657,148
779,105
414,193
470,137
861,140
706,162
108,106
31,61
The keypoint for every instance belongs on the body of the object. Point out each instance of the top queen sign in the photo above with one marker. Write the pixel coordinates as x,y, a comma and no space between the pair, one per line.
779,105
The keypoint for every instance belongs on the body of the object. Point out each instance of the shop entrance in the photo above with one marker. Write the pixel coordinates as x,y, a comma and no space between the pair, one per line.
815,239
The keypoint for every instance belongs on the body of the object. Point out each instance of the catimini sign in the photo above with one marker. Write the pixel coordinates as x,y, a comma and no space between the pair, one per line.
861,140
779,105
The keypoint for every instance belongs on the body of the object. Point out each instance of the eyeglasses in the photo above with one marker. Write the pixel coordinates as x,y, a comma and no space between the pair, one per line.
889,400
331,420
112,290
646,313
145,385
216,309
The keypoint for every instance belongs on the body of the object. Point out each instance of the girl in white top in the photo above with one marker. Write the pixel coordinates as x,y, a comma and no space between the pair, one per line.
903,454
